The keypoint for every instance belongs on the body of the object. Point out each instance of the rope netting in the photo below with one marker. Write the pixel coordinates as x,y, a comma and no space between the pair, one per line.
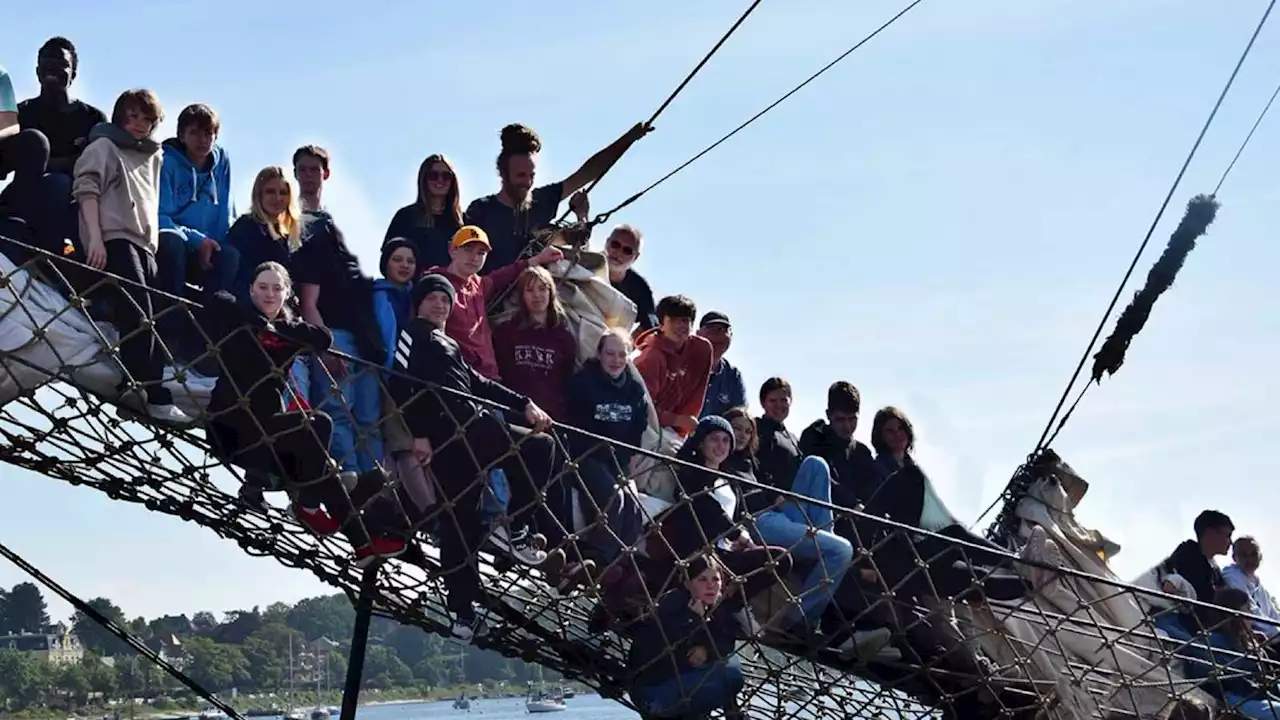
676,586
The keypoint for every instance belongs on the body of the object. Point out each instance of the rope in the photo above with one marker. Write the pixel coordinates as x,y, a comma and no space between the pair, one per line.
604,217
1247,138
117,631
1195,147
688,78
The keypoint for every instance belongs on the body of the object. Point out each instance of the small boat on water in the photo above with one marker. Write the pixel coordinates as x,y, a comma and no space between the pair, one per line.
320,713
297,714
212,714
462,703
544,703
567,693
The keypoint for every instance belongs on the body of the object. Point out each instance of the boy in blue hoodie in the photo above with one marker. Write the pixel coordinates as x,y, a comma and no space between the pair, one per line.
195,212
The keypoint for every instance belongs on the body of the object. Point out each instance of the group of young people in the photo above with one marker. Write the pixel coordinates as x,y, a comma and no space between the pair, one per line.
327,379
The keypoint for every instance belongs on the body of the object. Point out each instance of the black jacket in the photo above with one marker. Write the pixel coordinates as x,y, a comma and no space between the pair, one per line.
1189,561
698,519
434,361
662,639
778,458
855,476
256,355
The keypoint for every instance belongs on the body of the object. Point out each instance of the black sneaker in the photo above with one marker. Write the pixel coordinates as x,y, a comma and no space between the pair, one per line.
518,544
469,625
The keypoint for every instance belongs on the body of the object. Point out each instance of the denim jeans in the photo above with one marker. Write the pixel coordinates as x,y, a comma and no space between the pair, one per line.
696,691
355,406
791,526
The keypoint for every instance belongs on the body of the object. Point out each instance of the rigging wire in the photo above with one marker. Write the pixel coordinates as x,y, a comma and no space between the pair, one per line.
688,78
1247,138
1045,436
120,633
1084,358
604,217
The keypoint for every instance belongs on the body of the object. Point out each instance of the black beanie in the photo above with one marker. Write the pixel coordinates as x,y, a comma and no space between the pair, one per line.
391,246
427,284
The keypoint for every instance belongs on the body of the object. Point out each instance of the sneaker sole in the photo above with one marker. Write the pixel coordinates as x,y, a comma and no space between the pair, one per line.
365,562
504,546
870,645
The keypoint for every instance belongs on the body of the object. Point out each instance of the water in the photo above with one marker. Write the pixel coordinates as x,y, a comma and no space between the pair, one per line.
578,708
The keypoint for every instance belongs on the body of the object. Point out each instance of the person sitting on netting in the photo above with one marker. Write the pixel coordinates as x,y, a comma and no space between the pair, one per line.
682,660
462,440
1193,560
196,209
40,143
431,221
725,388
270,232
393,309
778,453
1229,659
709,514
535,350
854,473
675,365
1242,574
893,486
116,185
337,295
607,398
469,321
512,216
622,250
255,349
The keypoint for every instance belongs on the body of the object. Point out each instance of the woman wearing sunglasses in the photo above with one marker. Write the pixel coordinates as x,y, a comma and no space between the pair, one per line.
434,217
623,249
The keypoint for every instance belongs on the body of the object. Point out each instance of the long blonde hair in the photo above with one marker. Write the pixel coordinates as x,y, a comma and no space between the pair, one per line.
556,316
287,226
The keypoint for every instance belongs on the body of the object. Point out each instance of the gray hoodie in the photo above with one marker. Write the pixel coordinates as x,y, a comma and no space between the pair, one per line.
123,173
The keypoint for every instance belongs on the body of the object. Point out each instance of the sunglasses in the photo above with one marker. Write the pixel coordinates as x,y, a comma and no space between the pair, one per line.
437,176
623,248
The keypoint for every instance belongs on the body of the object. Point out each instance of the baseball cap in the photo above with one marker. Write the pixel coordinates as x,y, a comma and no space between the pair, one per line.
469,234
715,318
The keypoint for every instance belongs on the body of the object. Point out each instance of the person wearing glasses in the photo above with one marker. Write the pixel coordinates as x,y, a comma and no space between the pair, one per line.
622,250
430,221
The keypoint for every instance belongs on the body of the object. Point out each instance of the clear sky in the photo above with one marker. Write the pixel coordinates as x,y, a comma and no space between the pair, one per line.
941,219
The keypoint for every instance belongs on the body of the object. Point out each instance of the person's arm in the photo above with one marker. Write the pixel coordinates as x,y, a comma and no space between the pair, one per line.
384,314
652,368
737,390
428,364
8,108
401,224
692,405
497,392
598,164
498,280
90,178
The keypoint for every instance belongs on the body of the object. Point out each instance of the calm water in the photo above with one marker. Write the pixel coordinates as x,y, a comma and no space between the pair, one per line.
579,707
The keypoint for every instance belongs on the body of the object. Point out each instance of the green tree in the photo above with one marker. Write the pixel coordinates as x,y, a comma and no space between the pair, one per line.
204,622
94,637
24,610
214,665
239,625
328,616
101,676
382,669
170,626
72,681
23,680
428,671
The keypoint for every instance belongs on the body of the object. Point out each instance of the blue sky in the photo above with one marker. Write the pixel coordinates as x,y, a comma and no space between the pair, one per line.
941,219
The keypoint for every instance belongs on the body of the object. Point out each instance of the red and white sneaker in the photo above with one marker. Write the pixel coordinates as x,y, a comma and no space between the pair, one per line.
380,548
317,521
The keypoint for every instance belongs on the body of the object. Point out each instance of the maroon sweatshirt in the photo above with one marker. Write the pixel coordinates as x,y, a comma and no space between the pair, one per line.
538,362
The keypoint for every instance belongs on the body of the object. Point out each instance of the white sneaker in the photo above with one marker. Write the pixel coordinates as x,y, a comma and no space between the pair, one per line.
518,544
168,414
466,629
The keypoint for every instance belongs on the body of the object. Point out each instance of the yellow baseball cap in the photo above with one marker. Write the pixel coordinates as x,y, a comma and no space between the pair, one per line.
469,234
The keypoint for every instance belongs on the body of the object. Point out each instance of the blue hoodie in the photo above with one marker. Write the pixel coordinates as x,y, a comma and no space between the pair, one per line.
391,305
195,202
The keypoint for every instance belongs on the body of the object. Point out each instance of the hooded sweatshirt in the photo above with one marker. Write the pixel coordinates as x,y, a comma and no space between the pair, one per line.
663,639
1189,561
195,201
855,475
123,174
391,308
706,516
468,324
676,377
615,408
256,246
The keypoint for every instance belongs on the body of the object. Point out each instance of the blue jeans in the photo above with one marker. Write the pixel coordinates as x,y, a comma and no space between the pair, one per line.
356,408
1257,709
696,691
175,262
790,527
599,495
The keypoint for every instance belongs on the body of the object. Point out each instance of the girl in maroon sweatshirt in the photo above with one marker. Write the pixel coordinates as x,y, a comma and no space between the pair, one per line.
535,350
